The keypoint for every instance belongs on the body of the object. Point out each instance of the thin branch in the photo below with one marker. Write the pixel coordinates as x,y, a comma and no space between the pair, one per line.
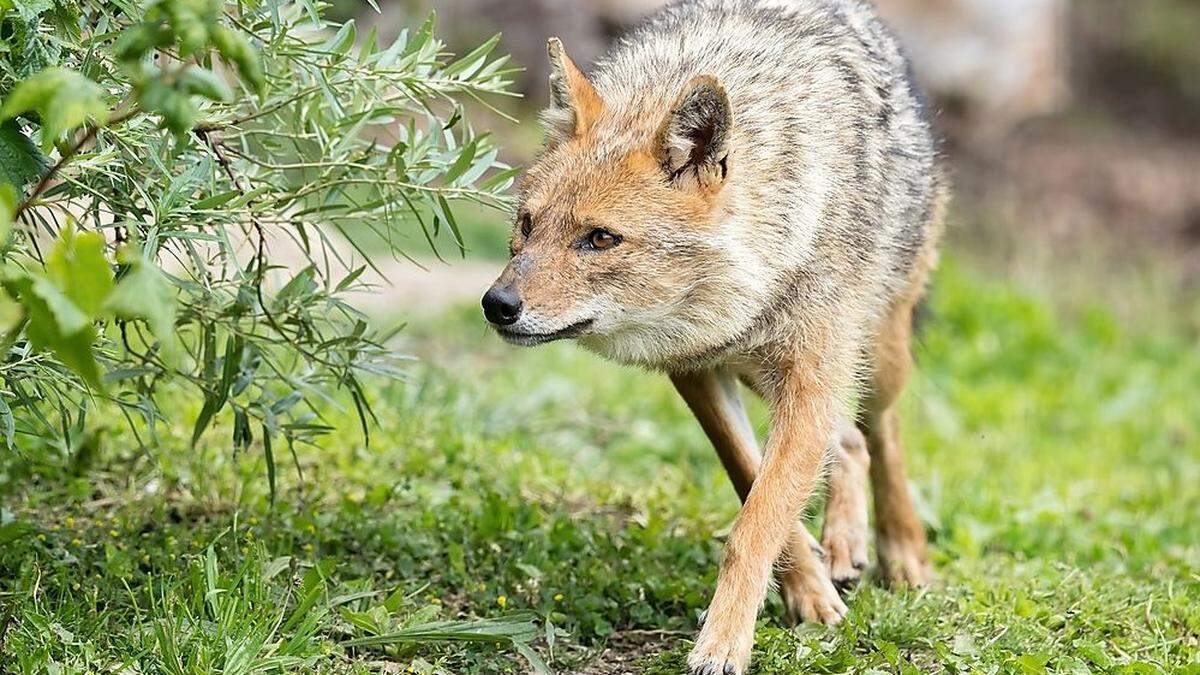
67,156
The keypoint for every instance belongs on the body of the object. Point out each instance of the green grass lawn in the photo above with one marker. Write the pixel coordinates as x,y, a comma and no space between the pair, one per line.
544,502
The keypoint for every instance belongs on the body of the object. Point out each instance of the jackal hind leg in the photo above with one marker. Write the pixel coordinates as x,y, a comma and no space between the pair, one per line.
845,530
899,534
804,583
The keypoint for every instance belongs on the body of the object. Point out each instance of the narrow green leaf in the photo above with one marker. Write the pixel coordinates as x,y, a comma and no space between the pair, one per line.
453,223
473,60
341,41
270,459
462,163
7,422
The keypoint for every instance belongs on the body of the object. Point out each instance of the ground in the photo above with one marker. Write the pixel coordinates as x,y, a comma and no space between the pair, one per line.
515,507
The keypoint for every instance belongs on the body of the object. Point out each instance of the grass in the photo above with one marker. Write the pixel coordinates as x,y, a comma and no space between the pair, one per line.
520,507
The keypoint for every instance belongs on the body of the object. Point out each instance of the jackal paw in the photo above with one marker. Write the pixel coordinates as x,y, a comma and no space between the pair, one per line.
717,661
712,667
844,539
810,596
904,563
722,648
844,534
847,559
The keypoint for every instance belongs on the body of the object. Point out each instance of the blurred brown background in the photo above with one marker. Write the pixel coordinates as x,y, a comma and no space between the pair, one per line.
1073,126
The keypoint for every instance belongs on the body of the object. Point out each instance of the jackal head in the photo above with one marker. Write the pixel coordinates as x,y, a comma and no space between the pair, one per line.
617,239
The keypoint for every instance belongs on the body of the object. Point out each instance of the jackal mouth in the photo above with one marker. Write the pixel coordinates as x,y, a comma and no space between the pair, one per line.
533,339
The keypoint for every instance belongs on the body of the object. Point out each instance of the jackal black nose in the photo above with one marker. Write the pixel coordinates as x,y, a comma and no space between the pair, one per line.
501,306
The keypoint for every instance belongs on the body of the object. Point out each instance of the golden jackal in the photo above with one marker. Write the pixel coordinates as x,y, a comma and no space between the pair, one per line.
748,190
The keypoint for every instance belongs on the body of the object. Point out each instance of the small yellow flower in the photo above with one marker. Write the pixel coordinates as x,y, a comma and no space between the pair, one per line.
77,542
312,528
252,520
113,533
55,527
435,601
41,537
502,601
308,547
70,521
145,559
558,597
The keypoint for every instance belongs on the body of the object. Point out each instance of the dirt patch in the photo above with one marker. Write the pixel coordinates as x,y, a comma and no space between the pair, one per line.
626,651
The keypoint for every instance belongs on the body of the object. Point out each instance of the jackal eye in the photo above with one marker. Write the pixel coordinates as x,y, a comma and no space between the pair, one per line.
601,239
526,222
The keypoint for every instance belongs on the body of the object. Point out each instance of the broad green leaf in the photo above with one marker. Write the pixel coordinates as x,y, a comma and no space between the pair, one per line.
62,311
176,108
207,84
20,160
78,267
8,209
234,49
63,100
12,320
135,42
143,292
57,326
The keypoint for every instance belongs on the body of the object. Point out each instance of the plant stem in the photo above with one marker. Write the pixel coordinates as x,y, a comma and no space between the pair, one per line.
67,156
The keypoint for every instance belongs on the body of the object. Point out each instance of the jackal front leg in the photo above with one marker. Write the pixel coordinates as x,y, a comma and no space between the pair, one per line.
804,421
804,583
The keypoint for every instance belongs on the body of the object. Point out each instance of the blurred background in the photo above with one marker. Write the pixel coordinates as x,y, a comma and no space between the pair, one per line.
1072,126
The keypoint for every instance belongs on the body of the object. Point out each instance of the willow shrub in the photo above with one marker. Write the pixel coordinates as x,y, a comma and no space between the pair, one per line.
158,162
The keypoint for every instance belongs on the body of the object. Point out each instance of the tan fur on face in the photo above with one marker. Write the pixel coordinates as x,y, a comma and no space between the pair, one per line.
652,296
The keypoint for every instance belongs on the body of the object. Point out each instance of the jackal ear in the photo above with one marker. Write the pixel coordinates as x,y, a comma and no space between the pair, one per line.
693,143
574,103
